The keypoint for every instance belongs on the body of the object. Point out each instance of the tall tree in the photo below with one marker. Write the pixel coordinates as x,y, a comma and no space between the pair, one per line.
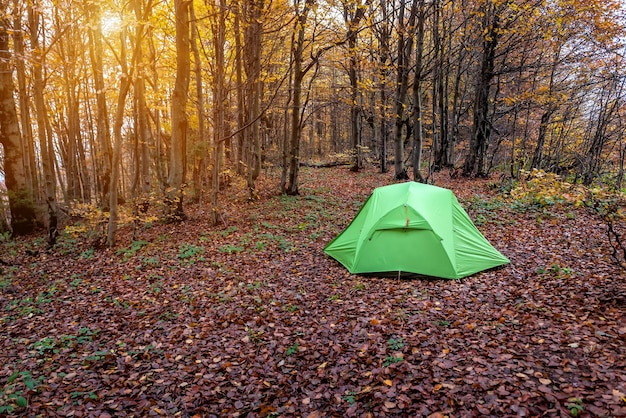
43,126
103,159
219,106
125,84
353,14
382,30
418,134
178,149
253,32
481,131
21,202
406,36
28,143
298,70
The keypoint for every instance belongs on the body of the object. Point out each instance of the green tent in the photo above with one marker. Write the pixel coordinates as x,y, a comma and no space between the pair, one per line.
414,228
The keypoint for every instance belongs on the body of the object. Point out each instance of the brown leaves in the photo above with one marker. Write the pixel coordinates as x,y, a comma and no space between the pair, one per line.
253,320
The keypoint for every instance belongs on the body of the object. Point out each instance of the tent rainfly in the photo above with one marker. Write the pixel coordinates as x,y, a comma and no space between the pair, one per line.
414,228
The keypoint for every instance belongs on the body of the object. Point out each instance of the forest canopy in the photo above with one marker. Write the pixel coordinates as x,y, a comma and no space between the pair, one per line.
148,105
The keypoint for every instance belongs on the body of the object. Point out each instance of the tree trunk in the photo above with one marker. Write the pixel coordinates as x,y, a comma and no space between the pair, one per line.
253,32
43,130
21,204
219,90
125,84
417,97
202,142
240,137
475,162
28,149
103,136
176,178
384,36
405,45
297,51
353,19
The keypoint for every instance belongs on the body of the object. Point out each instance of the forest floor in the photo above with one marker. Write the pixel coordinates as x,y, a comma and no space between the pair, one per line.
252,319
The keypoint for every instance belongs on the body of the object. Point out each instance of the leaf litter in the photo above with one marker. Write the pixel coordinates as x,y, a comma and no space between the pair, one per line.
251,319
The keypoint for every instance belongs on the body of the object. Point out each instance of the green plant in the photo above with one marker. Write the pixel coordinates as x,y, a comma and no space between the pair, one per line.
87,254
254,286
121,303
44,345
293,349
168,315
151,261
442,323
556,270
575,406
389,360
135,246
349,397
82,395
12,398
86,335
155,288
291,308
188,251
230,249
96,356
359,286
254,336
229,231
76,281
396,344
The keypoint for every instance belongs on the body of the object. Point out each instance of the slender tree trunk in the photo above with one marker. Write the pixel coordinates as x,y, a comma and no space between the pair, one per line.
43,129
103,136
353,19
384,36
297,50
21,204
199,153
547,114
240,137
219,89
405,46
143,132
475,162
417,97
125,84
28,149
252,65
176,178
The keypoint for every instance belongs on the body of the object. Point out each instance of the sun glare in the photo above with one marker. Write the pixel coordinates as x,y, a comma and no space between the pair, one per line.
110,24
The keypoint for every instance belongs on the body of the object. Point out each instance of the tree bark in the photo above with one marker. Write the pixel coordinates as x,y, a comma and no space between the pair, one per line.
28,148
43,130
103,135
405,46
252,65
475,161
21,204
176,178
417,97
219,112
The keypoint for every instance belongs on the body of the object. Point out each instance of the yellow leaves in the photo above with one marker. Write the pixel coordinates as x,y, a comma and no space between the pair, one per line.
547,189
